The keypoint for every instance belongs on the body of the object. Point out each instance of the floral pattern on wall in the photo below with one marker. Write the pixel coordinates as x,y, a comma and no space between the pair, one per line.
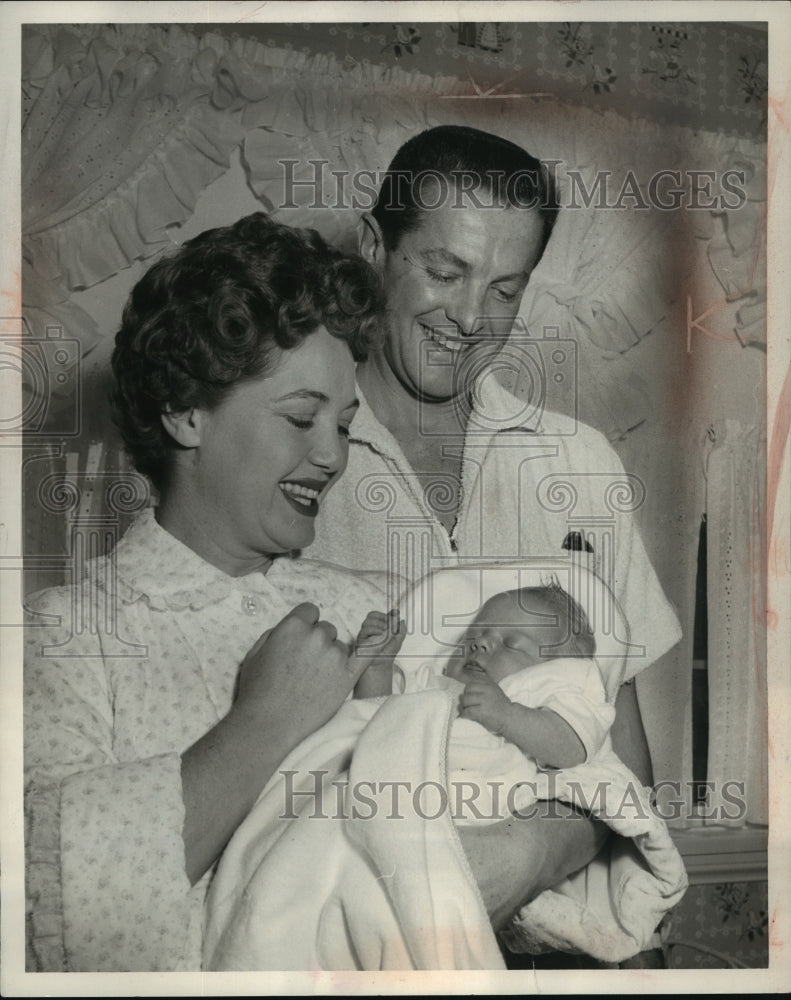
706,74
735,902
575,42
405,40
723,925
670,58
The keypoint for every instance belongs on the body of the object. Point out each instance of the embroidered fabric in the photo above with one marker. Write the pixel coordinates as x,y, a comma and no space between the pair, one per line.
738,726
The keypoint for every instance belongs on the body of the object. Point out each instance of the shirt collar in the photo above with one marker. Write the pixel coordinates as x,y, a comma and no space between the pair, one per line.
494,409
153,564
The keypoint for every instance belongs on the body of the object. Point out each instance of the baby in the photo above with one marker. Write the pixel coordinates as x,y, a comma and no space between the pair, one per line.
529,692
532,724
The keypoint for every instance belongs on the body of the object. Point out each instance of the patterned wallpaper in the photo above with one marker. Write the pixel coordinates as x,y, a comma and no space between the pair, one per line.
710,75
720,925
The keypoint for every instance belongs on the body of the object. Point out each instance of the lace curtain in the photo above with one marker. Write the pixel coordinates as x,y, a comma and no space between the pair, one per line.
738,733
124,126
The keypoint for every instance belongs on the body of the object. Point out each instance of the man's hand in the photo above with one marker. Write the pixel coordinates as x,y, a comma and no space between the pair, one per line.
485,702
515,860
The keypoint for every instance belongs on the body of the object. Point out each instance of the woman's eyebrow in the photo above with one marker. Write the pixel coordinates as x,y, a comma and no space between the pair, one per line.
303,394
316,394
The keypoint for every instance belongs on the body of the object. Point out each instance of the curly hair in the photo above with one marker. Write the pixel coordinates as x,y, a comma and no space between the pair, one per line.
218,311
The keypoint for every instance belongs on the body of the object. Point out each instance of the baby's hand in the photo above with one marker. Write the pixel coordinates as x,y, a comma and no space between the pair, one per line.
379,627
378,641
485,702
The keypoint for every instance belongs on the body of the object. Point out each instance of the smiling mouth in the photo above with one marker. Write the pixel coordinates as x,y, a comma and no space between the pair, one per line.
303,496
442,339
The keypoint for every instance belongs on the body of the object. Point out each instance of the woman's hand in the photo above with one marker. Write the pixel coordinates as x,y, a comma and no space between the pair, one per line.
292,681
377,644
299,668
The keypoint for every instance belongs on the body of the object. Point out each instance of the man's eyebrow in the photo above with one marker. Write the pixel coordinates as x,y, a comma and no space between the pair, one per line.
516,276
439,255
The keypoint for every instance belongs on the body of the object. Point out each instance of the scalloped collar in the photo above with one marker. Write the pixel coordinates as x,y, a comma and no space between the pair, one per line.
154,565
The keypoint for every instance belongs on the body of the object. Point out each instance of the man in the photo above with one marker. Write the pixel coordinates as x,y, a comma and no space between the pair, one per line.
445,465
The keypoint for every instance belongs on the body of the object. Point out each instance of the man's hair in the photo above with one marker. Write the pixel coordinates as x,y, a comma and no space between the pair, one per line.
578,639
474,164
217,313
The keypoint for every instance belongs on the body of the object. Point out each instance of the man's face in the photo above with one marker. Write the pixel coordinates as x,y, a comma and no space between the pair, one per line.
453,288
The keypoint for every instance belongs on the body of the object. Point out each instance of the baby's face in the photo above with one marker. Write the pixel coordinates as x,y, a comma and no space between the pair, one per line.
505,638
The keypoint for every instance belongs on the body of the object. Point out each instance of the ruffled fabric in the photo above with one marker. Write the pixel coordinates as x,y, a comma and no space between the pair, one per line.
737,678
120,135
44,899
125,125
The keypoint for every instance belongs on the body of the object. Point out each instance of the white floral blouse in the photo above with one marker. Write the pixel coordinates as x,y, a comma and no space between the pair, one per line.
122,674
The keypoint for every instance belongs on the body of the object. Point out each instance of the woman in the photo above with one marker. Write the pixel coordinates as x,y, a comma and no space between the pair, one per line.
234,370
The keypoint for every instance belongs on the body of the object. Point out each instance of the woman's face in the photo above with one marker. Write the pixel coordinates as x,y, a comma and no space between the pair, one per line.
269,453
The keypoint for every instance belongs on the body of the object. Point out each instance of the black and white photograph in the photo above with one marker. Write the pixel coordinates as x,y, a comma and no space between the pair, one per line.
396,498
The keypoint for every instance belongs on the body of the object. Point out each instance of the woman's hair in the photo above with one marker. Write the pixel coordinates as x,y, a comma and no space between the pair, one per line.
218,311
471,167
578,637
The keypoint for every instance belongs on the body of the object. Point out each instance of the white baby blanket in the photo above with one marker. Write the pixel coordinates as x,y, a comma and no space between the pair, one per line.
371,874
360,879
350,859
